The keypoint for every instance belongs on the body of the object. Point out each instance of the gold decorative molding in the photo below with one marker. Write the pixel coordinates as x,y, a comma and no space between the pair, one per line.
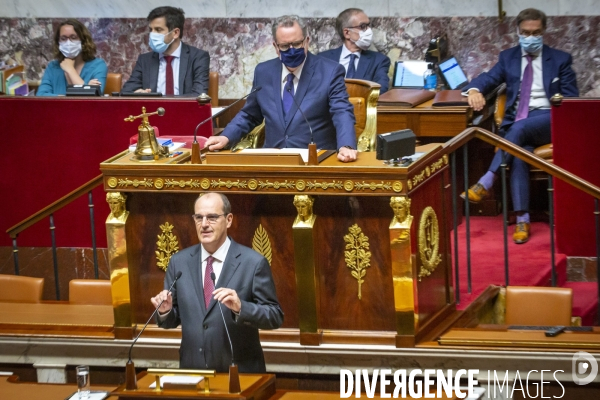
261,243
182,183
264,185
429,242
357,255
135,182
427,172
167,245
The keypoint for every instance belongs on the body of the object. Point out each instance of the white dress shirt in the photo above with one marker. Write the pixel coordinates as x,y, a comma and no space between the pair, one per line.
219,258
538,99
161,85
345,60
285,72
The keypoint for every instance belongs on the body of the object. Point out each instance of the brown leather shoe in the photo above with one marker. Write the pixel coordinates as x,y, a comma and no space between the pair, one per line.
476,193
521,234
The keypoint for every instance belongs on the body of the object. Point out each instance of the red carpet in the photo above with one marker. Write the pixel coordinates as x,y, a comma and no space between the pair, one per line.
529,263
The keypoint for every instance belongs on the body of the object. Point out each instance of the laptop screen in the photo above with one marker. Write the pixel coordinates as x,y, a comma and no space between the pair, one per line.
409,74
453,73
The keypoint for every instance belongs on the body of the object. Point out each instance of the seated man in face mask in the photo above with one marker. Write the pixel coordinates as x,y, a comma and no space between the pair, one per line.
296,79
173,67
354,28
533,73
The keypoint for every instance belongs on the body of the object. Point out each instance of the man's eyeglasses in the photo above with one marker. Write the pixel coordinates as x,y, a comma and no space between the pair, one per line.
536,33
286,46
363,27
210,218
72,38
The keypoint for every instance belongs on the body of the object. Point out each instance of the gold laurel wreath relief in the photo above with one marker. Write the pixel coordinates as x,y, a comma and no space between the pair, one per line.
357,255
167,245
261,243
429,242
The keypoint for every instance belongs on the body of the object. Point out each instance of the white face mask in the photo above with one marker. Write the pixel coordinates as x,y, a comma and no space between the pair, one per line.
70,49
364,39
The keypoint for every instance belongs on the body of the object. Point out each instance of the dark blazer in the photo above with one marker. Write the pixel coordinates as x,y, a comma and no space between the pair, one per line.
322,95
204,343
557,74
193,72
372,66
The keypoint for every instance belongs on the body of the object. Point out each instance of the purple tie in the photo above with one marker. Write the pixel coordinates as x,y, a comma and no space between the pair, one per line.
209,286
523,109
351,69
288,93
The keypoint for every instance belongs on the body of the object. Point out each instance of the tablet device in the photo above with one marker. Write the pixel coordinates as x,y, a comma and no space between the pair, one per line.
83,90
409,74
453,74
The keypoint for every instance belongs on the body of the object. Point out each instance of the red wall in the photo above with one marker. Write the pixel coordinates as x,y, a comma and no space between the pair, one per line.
576,140
54,145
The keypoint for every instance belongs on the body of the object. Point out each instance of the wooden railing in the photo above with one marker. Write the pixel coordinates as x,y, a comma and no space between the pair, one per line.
458,141
49,211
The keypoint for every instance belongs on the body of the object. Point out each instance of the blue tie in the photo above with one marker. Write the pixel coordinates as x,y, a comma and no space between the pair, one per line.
351,70
288,93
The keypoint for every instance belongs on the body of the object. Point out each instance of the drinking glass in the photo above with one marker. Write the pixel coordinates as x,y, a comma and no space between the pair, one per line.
83,381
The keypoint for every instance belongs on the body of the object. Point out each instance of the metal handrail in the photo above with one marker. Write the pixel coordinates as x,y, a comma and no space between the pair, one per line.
517,151
57,205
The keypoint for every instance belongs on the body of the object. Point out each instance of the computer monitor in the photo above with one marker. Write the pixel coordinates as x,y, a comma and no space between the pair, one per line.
409,74
453,74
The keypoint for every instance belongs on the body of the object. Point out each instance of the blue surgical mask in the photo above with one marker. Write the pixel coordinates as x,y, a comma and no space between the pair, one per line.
531,44
292,57
157,42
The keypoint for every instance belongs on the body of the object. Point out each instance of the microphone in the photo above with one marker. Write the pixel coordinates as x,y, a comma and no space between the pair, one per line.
130,378
195,146
234,379
214,278
312,146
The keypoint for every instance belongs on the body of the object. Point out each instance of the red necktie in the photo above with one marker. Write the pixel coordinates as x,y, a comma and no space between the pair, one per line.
169,87
209,286
525,95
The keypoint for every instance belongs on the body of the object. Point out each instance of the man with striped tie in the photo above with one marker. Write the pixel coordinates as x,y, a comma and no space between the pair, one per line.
533,73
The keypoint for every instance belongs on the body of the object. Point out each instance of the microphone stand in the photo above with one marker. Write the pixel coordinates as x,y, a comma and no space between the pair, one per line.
313,159
196,159
130,377
234,376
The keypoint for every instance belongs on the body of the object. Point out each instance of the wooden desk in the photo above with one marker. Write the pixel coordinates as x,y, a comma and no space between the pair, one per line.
424,120
350,195
56,319
12,389
253,386
521,338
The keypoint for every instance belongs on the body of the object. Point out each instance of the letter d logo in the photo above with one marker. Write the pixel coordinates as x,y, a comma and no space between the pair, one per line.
584,364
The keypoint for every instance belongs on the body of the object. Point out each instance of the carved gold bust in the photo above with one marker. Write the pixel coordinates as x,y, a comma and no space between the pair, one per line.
116,202
401,207
304,206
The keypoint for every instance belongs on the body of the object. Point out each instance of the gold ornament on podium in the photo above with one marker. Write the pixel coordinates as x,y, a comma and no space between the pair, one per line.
429,242
167,245
357,255
261,243
147,148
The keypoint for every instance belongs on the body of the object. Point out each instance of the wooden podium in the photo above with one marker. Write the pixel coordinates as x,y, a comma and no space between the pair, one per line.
369,262
254,386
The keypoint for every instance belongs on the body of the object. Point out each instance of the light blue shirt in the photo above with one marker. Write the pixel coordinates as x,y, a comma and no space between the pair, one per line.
54,81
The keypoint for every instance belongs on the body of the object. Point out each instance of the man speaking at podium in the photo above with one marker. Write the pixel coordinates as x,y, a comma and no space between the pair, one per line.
244,286
297,78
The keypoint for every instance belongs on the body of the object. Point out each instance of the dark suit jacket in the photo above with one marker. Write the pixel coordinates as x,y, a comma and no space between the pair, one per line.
193,72
557,74
204,343
322,95
372,66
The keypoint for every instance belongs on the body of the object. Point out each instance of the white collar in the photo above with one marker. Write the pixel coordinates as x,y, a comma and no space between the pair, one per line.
221,252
